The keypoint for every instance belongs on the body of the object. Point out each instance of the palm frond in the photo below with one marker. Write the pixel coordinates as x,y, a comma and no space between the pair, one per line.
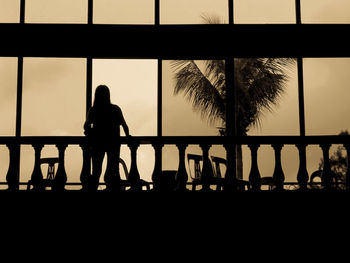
179,64
212,19
196,87
260,84
215,72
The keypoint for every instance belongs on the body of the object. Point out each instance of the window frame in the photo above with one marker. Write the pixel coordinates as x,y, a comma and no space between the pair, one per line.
305,50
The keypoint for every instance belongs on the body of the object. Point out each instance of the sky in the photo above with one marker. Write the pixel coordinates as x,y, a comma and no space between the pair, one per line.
54,88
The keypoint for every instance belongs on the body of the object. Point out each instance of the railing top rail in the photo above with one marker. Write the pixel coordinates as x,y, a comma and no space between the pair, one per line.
244,140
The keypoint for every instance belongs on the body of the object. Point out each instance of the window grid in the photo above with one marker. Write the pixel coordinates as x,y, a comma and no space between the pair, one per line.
159,100
159,87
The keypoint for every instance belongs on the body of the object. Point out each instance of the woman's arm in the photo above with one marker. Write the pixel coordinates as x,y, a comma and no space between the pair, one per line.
124,125
88,122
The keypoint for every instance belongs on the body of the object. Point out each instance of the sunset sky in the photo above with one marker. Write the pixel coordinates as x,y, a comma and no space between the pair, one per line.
54,91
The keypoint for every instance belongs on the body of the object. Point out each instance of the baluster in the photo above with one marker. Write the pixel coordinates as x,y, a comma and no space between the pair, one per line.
85,174
303,176
230,183
326,175
37,176
12,176
61,176
181,175
134,175
254,175
278,175
347,179
157,172
207,170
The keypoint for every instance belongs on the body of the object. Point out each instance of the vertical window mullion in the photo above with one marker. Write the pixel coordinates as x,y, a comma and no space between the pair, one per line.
230,12
19,96
22,12
20,77
297,12
300,76
159,73
88,83
159,99
90,11
301,95
230,88
89,63
156,12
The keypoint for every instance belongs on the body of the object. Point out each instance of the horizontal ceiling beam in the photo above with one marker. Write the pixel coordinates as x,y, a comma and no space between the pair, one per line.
174,41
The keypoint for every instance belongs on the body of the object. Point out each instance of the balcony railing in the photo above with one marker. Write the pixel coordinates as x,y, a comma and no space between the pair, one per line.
181,178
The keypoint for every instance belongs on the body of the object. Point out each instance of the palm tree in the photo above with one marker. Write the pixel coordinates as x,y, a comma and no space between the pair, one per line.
259,83
338,163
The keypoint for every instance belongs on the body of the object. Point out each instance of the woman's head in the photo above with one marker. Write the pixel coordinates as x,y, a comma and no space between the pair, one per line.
102,96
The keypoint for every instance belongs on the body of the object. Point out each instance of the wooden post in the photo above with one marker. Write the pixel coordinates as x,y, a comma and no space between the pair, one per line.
37,176
278,175
207,170
134,175
254,175
326,176
181,175
157,172
303,176
61,176
230,181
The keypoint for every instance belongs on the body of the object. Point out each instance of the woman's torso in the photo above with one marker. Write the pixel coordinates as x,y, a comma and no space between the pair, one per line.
106,123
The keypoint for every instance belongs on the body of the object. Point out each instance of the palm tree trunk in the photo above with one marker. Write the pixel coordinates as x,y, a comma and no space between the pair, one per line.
239,162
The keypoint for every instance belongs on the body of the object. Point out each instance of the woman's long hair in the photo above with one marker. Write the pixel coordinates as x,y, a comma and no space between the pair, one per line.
102,97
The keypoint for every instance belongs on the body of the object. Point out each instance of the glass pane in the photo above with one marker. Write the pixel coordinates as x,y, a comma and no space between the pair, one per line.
9,11
124,11
264,11
277,84
273,112
56,11
325,11
133,87
8,91
327,95
54,101
326,103
190,114
53,104
193,11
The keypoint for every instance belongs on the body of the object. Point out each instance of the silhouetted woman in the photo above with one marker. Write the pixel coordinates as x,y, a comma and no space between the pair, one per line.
102,126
